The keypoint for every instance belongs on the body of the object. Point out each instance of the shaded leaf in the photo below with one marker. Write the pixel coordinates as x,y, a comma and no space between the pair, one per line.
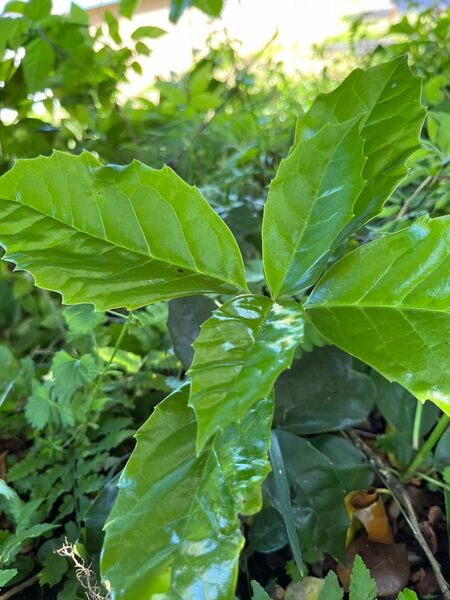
71,374
241,350
259,593
185,317
114,236
309,203
54,567
317,497
267,531
37,408
387,303
442,452
192,534
6,575
322,392
348,462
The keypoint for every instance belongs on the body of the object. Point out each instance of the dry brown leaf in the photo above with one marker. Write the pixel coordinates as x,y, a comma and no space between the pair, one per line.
368,508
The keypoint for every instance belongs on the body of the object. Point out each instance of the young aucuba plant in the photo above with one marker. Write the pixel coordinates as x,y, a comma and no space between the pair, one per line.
128,236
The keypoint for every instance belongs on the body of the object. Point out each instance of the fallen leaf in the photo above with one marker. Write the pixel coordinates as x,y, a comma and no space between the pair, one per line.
388,564
308,588
368,507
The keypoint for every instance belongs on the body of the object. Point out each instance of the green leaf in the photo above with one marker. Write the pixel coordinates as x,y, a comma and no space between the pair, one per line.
37,64
71,374
10,549
239,353
187,505
147,31
82,318
322,392
37,9
317,497
114,236
37,408
185,317
258,592
283,500
310,202
407,595
331,589
388,98
362,586
127,8
348,462
212,8
6,575
54,567
387,303
442,452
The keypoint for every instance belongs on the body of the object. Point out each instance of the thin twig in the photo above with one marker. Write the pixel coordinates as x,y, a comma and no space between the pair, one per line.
18,588
408,201
403,500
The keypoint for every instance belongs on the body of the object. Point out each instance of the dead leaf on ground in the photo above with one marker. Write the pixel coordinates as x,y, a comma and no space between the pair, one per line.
368,508
388,564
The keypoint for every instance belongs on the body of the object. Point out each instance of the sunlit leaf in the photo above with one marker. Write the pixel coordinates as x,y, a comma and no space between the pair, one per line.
174,529
387,96
310,202
114,236
387,303
239,353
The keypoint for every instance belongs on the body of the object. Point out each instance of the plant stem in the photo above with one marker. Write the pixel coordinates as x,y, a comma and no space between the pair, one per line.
417,424
427,447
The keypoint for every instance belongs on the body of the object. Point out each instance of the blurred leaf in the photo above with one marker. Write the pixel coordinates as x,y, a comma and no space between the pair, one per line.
331,589
259,593
267,531
442,452
82,318
37,408
127,7
6,575
71,374
54,569
212,8
147,31
362,586
37,64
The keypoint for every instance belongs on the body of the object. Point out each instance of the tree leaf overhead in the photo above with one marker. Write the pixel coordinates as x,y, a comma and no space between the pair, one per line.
387,303
310,202
241,350
174,529
114,236
387,96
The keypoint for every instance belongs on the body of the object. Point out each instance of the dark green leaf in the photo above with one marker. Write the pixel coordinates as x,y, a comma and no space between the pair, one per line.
185,317
283,500
114,236
317,497
267,531
442,452
348,462
259,592
387,303
239,353
310,202
322,392
187,505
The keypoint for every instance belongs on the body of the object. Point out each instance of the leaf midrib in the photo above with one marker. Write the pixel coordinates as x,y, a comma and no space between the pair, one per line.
117,245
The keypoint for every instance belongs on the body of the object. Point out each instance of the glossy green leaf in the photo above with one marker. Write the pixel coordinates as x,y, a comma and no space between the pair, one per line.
310,202
322,392
317,497
387,96
387,303
174,529
239,353
114,236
